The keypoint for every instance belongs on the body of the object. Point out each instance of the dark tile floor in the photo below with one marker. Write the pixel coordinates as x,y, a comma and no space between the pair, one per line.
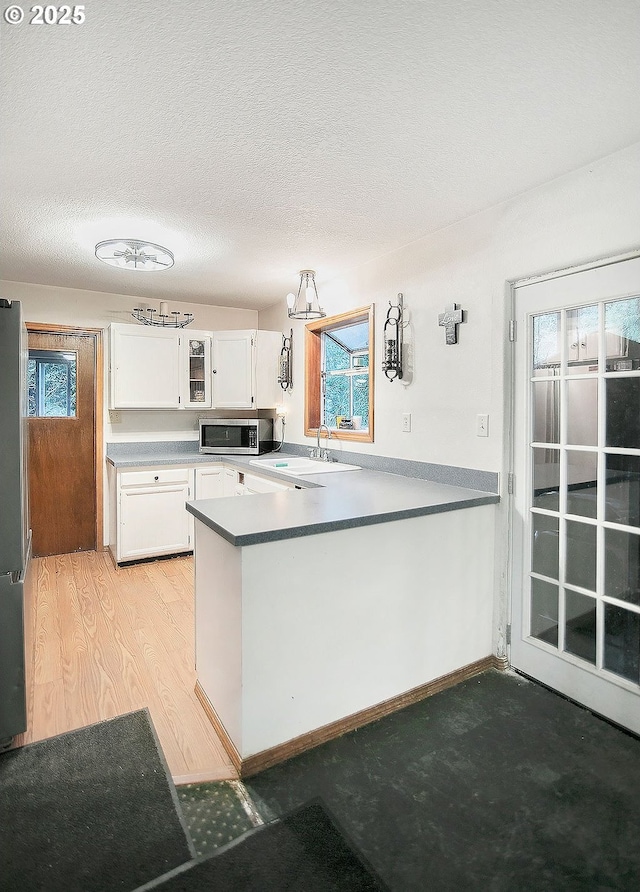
496,784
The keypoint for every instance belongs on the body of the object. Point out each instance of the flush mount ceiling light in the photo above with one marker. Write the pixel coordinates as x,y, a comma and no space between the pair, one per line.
134,254
305,304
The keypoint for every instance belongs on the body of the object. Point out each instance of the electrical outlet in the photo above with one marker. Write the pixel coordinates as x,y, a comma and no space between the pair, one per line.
482,425
406,422
114,417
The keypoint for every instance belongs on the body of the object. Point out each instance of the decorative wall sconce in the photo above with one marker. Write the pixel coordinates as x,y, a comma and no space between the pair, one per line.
162,319
285,378
305,304
392,362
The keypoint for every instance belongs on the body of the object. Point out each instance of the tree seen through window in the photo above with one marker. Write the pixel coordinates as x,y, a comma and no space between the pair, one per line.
345,373
51,379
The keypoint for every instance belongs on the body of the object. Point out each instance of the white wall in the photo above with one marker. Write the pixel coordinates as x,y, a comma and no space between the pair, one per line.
590,213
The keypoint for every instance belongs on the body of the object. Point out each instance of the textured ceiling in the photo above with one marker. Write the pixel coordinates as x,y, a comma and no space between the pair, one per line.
258,138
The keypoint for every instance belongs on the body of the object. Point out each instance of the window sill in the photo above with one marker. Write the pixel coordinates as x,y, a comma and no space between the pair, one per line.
362,436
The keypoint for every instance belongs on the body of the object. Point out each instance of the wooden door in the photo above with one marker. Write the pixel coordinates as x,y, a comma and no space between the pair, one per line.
62,442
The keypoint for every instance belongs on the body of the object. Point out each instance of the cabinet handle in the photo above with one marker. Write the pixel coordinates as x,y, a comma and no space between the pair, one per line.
214,371
156,477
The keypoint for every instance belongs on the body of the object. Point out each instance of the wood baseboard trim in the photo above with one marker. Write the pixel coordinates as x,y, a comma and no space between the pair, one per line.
273,756
221,731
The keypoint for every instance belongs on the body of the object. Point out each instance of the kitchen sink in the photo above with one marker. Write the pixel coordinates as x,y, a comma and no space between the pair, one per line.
302,466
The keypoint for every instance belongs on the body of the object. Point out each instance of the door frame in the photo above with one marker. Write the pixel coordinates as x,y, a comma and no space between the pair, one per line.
509,454
98,428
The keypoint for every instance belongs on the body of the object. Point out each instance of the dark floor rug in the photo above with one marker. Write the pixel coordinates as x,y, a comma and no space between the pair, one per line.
302,852
496,784
93,810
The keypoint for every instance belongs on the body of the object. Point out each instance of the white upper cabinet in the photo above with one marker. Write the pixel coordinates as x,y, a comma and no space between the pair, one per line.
168,368
245,369
145,368
233,370
195,350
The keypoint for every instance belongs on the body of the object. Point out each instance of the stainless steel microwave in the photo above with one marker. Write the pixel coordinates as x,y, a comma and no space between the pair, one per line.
240,436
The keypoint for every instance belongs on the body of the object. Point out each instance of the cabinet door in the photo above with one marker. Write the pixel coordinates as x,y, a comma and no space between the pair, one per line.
233,369
145,368
153,520
195,348
268,345
230,482
261,484
210,483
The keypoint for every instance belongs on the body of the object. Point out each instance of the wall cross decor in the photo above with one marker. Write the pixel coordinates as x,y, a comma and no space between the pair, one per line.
450,320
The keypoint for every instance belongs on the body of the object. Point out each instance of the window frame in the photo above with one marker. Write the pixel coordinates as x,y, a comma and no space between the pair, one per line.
313,372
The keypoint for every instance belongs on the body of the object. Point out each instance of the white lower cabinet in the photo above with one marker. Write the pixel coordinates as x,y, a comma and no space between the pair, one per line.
151,515
231,478
254,484
210,482
147,505
215,482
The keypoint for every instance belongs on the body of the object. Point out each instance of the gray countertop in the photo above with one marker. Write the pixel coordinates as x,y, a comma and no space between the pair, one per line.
324,502
136,455
336,501
151,455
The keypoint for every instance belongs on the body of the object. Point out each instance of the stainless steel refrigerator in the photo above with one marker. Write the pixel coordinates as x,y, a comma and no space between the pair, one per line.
15,537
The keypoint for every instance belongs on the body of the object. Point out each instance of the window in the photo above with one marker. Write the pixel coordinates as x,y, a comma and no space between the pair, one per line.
51,376
339,375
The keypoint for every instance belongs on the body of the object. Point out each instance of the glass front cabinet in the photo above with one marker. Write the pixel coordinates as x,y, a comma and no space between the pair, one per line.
196,369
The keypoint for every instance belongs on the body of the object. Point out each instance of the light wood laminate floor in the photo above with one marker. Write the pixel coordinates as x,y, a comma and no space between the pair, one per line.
103,641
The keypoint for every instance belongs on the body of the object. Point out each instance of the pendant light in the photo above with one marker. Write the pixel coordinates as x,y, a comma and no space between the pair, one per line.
305,304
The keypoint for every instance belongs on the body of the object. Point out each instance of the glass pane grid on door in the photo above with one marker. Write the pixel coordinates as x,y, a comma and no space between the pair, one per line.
584,487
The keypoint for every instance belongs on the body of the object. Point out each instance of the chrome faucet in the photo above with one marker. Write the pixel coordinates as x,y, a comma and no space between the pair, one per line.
323,453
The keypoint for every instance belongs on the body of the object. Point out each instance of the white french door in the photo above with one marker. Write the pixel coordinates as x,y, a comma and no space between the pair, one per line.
576,520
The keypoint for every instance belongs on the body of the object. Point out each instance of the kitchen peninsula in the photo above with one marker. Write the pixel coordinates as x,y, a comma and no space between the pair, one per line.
323,607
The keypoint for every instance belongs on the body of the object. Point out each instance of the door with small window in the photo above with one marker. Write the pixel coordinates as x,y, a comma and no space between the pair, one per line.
62,379
576,531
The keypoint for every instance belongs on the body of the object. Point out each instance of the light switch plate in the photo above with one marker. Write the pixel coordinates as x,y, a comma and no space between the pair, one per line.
406,422
482,425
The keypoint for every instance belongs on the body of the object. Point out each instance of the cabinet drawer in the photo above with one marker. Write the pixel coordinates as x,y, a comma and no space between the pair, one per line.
154,476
